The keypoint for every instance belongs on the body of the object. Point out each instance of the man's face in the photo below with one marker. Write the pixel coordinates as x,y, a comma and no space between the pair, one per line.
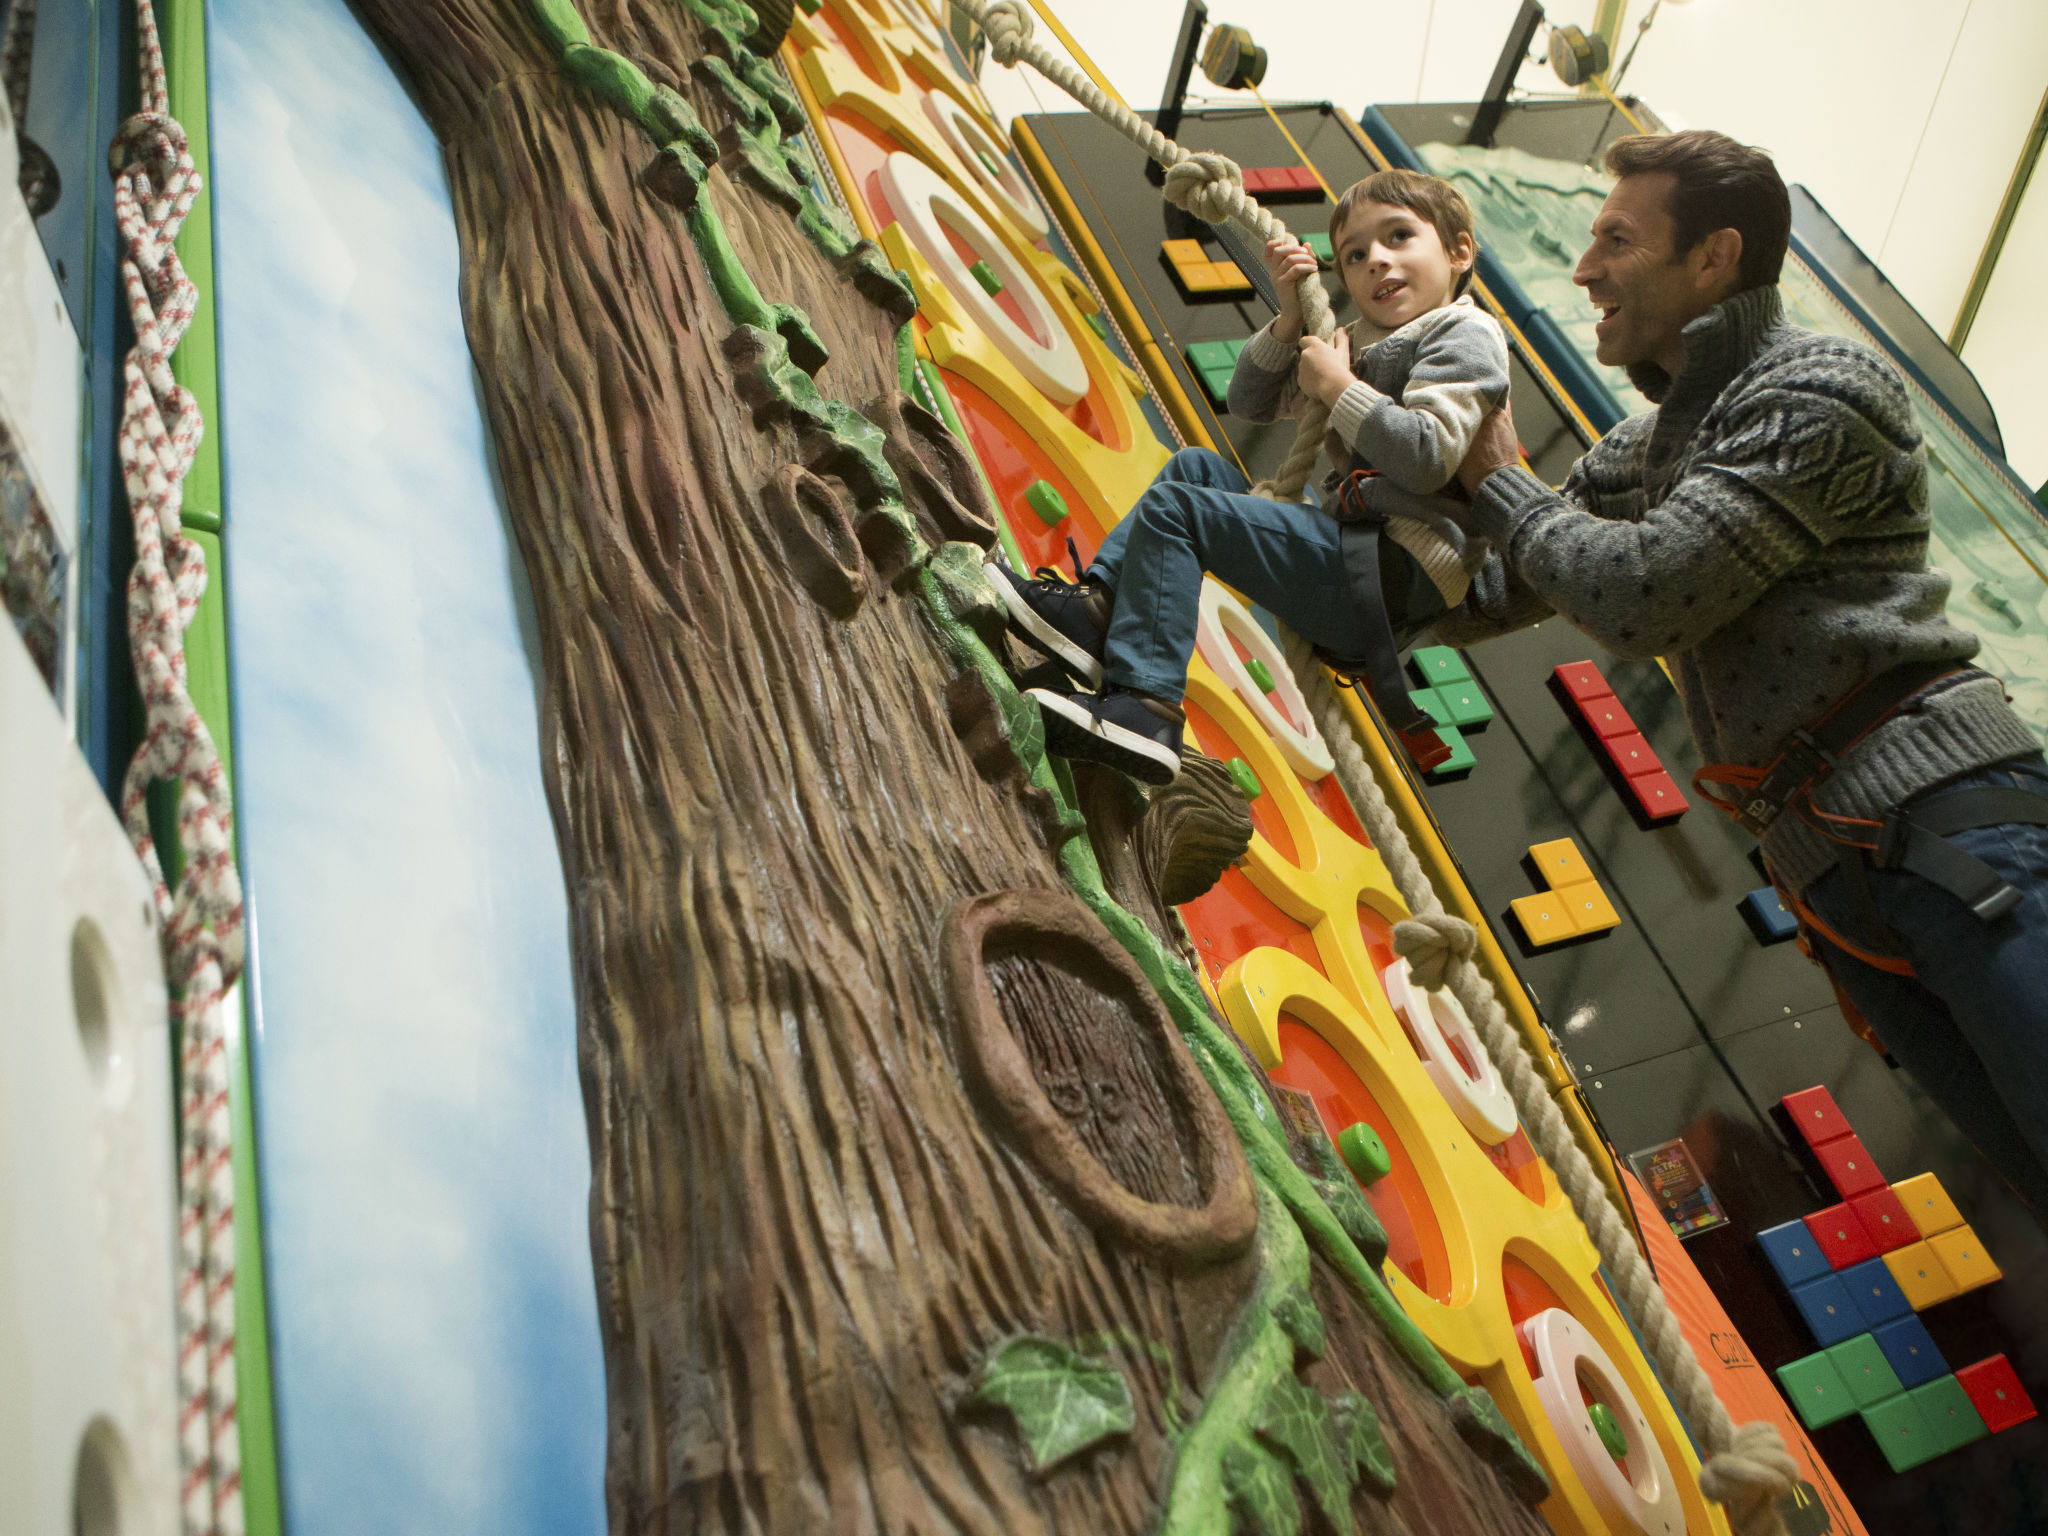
1646,290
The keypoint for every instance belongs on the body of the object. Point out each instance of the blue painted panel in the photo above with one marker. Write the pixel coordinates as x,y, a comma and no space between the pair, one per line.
424,1164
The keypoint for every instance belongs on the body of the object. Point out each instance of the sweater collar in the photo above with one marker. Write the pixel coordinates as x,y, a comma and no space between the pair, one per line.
1365,334
1718,345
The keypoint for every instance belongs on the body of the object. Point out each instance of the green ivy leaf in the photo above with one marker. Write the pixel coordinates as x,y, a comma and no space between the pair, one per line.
1295,1421
1298,1318
1260,1490
1482,1425
1063,1402
1358,1433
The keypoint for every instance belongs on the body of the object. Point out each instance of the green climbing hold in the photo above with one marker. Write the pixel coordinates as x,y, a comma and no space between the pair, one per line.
1242,776
1099,325
1255,669
810,7
985,275
1608,1428
988,163
1364,1153
1047,502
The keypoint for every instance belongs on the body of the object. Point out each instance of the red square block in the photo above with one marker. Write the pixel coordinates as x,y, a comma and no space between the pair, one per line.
1886,1220
1607,717
1658,795
1851,1169
1259,181
1304,179
1995,1389
1840,1236
1816,1115
1582,680
1632,755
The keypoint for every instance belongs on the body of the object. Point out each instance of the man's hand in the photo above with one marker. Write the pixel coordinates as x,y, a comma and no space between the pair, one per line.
1287,263
1325,367
1494,446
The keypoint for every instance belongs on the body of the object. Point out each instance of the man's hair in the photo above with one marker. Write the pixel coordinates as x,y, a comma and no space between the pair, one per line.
1716,184
1436,200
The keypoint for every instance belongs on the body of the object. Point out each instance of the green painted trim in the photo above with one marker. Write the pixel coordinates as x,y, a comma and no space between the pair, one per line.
196,365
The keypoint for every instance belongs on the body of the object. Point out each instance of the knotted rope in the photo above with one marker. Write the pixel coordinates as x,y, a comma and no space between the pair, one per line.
1747,1469
155,183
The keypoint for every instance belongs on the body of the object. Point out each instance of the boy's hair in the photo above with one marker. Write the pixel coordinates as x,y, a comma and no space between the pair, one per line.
1716,184
1435,199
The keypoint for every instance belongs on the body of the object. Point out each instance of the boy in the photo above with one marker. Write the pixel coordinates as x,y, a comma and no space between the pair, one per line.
1407,388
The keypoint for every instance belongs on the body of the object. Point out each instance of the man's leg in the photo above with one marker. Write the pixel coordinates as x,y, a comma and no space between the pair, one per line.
1971,1024
1190,466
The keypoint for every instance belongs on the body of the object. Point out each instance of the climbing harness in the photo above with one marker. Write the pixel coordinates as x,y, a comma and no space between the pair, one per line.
155,183
1747,1468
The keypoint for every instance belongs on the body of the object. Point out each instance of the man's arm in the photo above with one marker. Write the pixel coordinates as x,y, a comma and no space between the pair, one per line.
1796,466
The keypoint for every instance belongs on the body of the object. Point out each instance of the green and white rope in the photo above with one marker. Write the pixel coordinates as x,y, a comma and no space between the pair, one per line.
1747,1468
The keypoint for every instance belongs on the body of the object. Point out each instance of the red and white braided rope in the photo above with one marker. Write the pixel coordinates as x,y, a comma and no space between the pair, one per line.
155,183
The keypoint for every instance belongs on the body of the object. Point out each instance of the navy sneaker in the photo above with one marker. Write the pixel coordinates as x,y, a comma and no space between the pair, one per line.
1067,620
1129,732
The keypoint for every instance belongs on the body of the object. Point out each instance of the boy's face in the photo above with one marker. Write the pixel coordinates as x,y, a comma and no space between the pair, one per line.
1394,264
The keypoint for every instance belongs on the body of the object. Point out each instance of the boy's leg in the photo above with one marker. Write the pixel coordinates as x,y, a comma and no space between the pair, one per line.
1190,466
1971,1024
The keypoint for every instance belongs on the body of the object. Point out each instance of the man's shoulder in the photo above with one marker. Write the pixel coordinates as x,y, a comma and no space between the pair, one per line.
1832,369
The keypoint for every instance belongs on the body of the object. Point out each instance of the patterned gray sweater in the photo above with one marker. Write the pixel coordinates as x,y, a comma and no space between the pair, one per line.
1765,531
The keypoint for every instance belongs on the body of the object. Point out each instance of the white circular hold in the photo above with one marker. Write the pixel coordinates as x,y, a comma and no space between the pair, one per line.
1641,1489
1283,712
987,162
928,208
1437,1023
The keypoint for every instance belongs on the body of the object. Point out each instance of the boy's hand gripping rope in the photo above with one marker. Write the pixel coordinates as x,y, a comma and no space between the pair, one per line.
1747,1469
155,183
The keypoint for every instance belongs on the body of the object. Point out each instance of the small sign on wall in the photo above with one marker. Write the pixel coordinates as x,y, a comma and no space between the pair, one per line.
1681,1191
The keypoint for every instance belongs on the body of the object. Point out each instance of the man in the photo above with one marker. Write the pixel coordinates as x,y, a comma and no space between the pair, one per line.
1765,531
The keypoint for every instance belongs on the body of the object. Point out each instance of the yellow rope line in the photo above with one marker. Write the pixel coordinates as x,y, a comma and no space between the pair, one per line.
1067,41
1600,81
1299,153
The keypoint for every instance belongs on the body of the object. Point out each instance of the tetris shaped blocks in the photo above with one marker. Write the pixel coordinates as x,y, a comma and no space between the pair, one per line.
1573,906
1652,789
1200,277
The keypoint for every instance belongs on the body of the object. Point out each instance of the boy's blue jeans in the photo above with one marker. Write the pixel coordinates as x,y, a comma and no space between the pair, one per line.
1971,1023
1199,515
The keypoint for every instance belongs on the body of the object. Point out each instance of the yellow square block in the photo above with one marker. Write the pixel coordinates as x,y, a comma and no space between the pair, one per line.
1184,253
1921,1275
1544,918
1560,863
1228,277
1590,910
1199,277
1928,1204
1963,1256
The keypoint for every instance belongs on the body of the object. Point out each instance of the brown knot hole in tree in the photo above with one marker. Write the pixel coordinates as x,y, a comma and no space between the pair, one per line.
1076,1058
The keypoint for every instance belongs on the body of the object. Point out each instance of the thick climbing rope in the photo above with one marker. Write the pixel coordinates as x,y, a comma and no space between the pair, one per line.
155,183
1747,1468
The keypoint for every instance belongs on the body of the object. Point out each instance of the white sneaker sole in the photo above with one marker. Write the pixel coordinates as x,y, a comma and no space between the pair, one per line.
1073,731
1039,633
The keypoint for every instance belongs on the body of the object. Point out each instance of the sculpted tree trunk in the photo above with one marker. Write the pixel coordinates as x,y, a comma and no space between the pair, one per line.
852,1132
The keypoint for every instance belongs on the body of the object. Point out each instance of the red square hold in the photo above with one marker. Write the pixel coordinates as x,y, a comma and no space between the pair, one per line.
1304,179
1815,1115
1840,1236
1607,717
1995,1388
1632,755
1849,1167
1658,796
1885,1219
1582,680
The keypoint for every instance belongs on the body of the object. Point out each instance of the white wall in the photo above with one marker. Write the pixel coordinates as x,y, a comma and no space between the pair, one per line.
1904,117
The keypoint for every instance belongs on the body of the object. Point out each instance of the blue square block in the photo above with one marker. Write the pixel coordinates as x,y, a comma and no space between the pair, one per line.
1875,1292
1770,915
1910,1348
1793,1253
1828,1311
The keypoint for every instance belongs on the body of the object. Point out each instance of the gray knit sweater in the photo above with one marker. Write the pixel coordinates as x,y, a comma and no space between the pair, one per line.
1765,531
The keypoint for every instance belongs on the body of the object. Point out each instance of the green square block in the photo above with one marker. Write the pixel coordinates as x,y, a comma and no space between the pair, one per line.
1865,1371
1461,756
1440,664
1465,704
1320,244
985,275
1902,1433
1098,325
1217,382
1210,354
1431,703
1950,1415
1817,1391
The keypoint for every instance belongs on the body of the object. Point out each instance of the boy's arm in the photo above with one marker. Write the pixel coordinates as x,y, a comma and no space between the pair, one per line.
1460,373
1262,388
1803,458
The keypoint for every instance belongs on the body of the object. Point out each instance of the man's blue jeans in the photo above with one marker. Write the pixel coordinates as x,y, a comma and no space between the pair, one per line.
1971,1023
1199,515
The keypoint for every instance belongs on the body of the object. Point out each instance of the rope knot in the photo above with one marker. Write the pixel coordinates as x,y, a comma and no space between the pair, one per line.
1750,1477
1208,185
1008,24
1431,943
